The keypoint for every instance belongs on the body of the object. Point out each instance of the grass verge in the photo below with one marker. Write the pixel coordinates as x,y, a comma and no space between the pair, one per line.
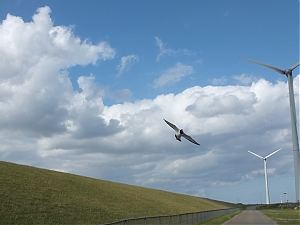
283,216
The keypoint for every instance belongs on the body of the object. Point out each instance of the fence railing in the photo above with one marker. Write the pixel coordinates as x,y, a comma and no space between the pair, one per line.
180,219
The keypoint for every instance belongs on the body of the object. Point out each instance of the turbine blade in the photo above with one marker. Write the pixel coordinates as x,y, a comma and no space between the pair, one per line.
281,71
273,153
256,155
295,66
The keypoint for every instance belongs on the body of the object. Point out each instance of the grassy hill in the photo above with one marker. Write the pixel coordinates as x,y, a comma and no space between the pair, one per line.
30,195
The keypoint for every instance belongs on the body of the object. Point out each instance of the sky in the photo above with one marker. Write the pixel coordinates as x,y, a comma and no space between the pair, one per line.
85,86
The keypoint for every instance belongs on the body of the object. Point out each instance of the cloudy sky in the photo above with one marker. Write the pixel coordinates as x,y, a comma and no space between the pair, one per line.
85,86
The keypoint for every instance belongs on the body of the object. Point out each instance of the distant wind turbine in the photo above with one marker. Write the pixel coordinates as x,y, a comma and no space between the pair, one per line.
266,174
288,73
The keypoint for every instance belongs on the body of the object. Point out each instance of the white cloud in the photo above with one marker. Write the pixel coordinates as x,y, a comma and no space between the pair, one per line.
245,79
173,75
227,121
219,81
168,51
27,47
37,93
126,63
162,49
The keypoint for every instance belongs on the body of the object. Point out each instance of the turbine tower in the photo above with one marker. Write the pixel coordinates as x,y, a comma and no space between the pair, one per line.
266,174
288,73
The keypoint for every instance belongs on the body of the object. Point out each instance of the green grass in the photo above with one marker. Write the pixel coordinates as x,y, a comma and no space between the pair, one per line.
283,216
221,219
31,195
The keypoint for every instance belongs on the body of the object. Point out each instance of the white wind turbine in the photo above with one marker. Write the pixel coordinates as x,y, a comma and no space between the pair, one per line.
266,174
288,73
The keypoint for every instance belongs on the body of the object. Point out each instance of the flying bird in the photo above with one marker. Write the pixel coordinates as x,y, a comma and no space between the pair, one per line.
180,133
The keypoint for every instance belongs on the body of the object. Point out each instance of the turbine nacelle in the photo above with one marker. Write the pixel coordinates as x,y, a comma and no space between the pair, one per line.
288,72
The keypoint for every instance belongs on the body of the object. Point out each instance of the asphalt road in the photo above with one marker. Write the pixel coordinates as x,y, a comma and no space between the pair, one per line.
250,216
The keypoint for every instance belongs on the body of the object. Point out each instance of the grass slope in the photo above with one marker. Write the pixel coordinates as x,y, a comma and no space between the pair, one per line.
31,195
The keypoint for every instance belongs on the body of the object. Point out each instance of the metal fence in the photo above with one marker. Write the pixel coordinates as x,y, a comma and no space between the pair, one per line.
181,219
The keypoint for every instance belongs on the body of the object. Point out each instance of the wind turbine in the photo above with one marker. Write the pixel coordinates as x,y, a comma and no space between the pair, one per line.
266,174
288,73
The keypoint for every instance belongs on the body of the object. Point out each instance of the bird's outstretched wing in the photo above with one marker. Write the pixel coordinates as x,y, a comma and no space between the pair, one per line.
172,125
190,139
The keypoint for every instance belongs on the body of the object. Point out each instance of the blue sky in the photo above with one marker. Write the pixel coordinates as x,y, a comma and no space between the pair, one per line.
87,84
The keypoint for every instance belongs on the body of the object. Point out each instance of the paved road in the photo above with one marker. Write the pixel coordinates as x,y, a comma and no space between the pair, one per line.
250,216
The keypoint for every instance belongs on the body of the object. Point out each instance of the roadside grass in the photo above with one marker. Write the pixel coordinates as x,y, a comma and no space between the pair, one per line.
221,219
283,216
31,195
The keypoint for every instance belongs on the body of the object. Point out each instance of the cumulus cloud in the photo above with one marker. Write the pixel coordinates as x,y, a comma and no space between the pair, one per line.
227,121
37,94
126,63
39,43
45,122
173,74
